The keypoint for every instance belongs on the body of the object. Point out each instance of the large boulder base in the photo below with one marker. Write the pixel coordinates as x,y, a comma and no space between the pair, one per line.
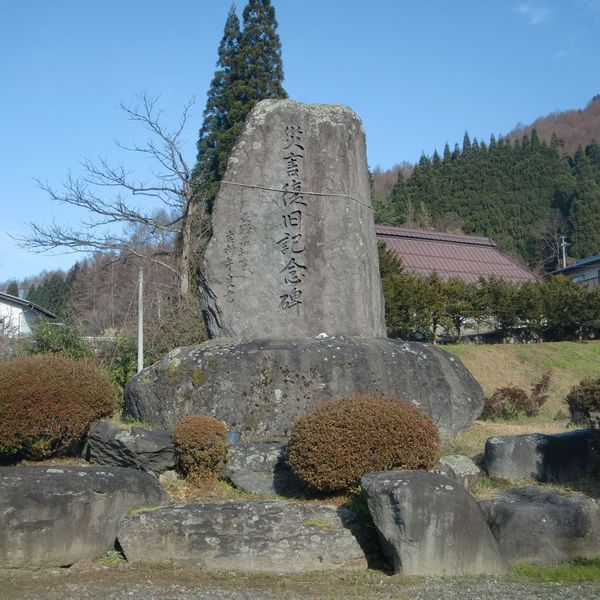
137,448
55,516
293,250
429,525
261,536
260,387
559,457
536,525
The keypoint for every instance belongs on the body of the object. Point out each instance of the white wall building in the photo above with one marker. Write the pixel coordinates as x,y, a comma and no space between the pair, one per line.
17,316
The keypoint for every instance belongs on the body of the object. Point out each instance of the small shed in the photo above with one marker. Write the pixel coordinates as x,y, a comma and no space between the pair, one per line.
451,255
17,316
585,271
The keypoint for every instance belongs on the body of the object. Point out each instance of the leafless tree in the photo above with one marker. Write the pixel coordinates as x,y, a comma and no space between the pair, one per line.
165,207
549,239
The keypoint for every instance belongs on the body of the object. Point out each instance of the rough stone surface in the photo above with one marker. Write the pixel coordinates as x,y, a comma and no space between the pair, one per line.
557,457
429,525
261,536
536,525
459,468
293,264
151,451
55,516
260,387
262,469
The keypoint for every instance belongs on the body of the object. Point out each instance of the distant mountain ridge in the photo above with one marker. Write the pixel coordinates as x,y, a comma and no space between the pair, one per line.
578,127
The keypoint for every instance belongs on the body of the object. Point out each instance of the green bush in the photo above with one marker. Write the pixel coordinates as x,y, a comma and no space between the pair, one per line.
57,338
201,444
48,403
334,446
120,359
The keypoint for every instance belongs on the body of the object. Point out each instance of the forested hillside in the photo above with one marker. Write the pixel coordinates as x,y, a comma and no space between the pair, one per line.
573,127
524,194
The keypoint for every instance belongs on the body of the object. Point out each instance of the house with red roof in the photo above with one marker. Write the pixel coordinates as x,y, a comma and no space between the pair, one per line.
451,255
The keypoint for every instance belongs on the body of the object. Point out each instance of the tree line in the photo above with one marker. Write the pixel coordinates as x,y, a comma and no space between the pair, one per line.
552,309
524,194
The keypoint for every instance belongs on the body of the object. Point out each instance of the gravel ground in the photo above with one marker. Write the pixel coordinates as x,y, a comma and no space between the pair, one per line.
123,582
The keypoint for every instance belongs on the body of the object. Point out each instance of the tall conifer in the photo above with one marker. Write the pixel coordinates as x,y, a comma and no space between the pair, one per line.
214,143
249,69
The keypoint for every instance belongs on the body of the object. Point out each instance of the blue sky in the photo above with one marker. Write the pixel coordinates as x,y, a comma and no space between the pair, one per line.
418,74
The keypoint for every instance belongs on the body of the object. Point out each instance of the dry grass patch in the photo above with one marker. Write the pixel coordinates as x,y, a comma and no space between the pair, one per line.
498,365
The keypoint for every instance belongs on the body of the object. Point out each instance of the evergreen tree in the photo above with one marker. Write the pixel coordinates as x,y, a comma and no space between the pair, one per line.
447,153
13,288
214,143
261,54
585,209
249,69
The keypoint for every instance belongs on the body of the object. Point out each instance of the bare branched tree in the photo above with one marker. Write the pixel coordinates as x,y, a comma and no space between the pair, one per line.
549,239
164,207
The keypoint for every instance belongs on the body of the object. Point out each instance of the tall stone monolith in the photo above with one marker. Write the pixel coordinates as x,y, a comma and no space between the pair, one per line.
293,252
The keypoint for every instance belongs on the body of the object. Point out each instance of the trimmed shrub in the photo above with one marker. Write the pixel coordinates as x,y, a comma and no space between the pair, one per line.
48,403
201,444
333,447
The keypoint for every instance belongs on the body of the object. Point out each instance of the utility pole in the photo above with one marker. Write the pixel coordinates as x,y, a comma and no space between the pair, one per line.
563,245
140,349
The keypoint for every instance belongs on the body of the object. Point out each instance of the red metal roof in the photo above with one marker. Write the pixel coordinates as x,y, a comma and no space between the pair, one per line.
451,255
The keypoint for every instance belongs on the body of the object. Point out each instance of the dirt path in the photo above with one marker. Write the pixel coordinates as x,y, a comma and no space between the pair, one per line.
93,582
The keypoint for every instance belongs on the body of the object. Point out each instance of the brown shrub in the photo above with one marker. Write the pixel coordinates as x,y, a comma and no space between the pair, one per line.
333,447
539,393
584,403
511,401
201,444
48,403
584,406
505,403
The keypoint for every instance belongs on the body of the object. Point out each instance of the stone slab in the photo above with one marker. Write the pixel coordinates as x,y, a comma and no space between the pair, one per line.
543,526
559,457
262,469
55,516
134,447
260,536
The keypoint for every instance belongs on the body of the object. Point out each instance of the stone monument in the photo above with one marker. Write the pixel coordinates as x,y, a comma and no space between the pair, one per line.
291,292
293,252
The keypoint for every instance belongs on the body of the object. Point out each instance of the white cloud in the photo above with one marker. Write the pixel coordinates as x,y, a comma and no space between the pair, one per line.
535,13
